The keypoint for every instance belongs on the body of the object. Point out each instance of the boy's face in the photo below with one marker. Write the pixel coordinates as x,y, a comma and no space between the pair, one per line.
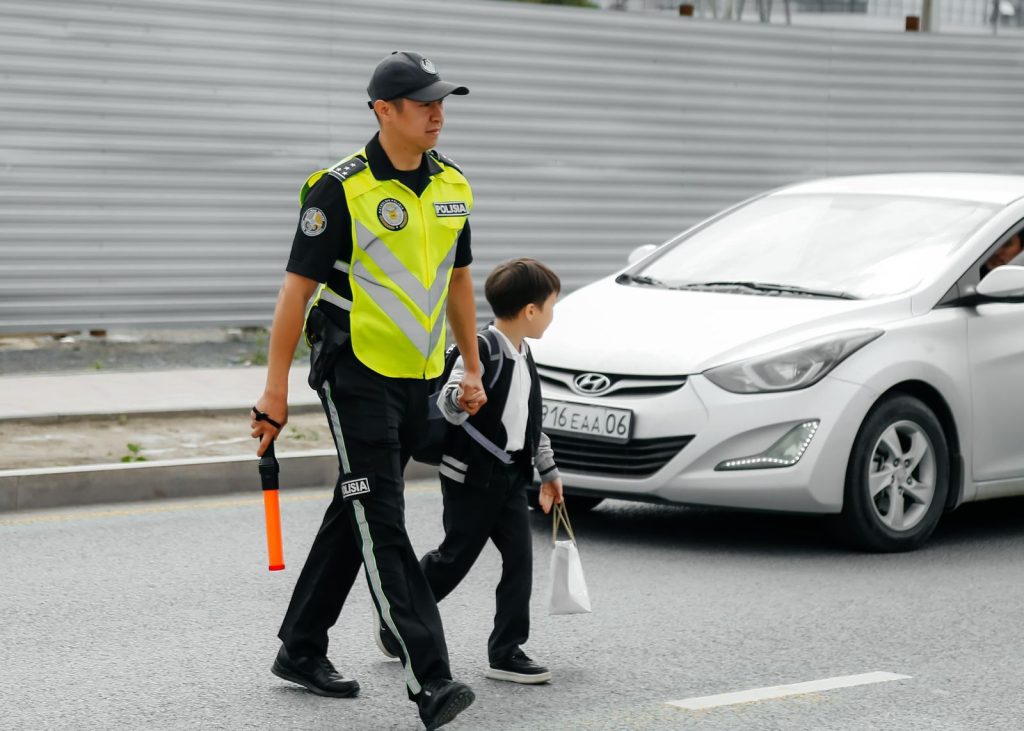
538,318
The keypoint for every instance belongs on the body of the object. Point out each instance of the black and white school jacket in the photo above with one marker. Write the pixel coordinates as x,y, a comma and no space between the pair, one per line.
464,461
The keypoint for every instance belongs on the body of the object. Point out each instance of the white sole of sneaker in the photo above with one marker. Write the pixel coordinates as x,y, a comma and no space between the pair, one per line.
495,674
376,638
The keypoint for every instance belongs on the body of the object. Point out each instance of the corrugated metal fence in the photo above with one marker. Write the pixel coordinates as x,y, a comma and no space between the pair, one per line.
151,150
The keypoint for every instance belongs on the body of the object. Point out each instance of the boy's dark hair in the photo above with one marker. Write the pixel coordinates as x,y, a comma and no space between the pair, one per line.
514,284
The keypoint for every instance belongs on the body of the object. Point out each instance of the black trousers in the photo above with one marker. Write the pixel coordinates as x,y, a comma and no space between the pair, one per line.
472,515
374,421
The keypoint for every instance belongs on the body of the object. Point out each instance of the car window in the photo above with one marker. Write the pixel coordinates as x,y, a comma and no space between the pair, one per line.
1008,252
861,245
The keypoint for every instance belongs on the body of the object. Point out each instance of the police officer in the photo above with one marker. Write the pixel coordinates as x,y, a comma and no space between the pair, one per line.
385,235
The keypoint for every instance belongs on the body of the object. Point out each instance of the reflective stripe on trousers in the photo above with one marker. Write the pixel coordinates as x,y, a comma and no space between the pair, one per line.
366,544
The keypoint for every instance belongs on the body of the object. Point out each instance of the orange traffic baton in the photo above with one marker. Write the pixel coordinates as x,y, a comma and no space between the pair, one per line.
269,470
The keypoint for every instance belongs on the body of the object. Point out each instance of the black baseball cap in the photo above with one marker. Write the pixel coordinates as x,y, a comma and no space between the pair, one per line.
409,75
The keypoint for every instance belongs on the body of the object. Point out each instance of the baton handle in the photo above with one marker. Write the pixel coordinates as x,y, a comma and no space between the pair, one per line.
269,470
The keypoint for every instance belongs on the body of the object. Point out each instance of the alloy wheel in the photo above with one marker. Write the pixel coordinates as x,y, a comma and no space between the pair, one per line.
902,476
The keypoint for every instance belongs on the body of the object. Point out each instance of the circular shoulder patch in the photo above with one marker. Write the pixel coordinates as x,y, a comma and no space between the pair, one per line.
392,214
313,222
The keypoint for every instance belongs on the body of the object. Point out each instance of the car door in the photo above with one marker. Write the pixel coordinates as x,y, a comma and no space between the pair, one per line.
995,348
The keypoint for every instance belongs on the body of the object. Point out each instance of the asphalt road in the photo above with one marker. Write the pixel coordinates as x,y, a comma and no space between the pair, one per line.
162,615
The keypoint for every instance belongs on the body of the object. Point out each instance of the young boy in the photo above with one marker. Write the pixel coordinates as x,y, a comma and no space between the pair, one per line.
483,481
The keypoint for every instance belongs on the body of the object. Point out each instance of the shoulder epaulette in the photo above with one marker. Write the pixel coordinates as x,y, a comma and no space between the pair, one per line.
447,161
347,168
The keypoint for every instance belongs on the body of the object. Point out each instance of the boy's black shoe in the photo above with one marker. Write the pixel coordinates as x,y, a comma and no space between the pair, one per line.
441,700
518,668
387,643
315,673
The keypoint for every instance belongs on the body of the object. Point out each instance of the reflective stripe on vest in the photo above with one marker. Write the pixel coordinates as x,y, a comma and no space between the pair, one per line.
418,315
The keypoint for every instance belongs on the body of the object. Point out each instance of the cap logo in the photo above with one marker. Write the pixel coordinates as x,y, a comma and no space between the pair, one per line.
314,222
392,214
428,66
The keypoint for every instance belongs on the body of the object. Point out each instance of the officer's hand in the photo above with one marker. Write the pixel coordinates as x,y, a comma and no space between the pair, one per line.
473,397
551,493
276,407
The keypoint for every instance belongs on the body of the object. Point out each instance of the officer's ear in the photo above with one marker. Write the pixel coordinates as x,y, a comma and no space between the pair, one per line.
385,110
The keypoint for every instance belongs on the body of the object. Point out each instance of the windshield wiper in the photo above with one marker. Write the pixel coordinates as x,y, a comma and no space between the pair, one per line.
769,287
640,279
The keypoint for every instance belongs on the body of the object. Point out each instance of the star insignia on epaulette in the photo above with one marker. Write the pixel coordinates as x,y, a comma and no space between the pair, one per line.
347,169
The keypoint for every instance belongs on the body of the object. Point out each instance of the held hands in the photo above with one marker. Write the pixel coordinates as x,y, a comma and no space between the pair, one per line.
277,409
471,393
551,493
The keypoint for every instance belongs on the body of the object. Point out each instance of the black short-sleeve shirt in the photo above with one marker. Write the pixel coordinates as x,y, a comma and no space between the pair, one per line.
314,256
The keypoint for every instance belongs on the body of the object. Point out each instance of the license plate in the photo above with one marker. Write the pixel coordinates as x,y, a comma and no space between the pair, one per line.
597,422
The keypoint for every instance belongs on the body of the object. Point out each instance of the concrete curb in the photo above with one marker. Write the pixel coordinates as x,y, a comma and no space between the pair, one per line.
60,487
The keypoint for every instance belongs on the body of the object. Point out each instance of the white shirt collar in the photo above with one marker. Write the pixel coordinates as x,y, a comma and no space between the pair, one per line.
510,349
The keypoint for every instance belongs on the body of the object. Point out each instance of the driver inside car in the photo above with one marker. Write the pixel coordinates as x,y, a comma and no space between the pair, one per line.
1003,255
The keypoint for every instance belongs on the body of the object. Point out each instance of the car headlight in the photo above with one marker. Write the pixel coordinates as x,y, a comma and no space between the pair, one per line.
791,369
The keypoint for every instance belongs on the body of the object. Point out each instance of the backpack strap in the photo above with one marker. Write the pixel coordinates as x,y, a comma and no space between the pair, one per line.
494,358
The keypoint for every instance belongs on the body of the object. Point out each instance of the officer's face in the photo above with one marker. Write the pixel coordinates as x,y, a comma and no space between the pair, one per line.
418,123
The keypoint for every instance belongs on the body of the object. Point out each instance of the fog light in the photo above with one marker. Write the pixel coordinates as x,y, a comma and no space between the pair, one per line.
784,453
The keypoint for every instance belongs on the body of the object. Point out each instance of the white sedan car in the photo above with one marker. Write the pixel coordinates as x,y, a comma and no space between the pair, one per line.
852,346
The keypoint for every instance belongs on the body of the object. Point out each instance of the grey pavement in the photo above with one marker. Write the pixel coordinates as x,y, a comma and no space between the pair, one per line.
162,615
69,395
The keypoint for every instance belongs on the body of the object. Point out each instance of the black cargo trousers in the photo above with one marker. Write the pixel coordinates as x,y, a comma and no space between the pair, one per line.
375,421
495,511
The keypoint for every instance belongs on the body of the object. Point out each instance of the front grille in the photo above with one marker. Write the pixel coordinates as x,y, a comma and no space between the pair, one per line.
621,385
635,458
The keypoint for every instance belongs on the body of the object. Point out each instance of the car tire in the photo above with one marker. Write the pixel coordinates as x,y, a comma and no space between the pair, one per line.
897,478
574,503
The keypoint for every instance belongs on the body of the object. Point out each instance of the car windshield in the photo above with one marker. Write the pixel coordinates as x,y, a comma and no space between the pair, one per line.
840,245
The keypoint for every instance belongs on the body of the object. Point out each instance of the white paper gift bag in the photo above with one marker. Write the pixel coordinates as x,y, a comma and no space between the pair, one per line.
568,591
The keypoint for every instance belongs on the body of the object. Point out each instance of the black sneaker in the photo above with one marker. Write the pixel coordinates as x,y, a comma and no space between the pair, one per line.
315,673
441,700
386,641
518,668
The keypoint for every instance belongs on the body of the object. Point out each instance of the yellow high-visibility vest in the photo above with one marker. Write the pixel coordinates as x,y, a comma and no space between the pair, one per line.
403,252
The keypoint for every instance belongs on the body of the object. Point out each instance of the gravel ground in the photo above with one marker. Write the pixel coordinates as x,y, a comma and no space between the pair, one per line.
137,438
26,445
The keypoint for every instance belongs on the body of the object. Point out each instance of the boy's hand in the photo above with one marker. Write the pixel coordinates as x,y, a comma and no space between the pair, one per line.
471,393
551,493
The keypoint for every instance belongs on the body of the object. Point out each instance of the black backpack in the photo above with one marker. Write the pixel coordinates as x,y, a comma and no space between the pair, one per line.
430,448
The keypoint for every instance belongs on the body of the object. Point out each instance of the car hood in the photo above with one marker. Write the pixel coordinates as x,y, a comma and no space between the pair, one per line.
624,329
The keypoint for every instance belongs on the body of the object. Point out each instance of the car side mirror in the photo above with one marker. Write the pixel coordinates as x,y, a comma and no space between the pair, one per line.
641,252
1005,282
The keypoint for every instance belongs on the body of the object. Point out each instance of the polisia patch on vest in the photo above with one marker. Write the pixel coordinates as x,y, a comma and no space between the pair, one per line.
392,214
451,208
355,487
314,222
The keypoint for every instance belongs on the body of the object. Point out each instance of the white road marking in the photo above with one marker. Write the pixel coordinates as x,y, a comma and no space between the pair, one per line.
781,691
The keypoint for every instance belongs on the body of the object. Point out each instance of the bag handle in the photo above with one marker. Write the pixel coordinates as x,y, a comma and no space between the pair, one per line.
561,515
